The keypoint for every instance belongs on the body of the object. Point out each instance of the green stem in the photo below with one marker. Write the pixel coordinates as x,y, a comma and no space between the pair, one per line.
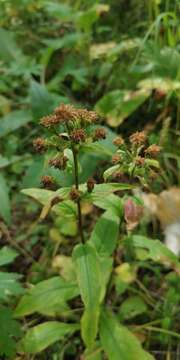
164,331
76,178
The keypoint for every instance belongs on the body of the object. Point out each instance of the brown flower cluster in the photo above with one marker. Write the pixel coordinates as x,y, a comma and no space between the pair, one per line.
47,181
138,138
116,158
118,141
78,135
39,144
153,150
59,162
65,113
74,194
99,134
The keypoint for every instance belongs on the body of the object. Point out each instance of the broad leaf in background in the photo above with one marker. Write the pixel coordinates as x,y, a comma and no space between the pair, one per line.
7,255
119,104
131,307
14,121
155,250
42,102
51,292
105,233
5,210
10,333
9,285
118,342
9,49
34,173
89,279
41,336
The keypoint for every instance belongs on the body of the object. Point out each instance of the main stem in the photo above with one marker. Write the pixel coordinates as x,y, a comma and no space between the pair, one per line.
76,178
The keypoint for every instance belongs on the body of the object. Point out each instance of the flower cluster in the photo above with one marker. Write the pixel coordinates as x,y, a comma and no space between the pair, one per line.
69,128
135,159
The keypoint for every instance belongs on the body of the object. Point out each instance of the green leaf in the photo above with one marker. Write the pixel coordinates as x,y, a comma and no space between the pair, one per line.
155,250
41,336
89,280
63,11
10,333
118,342
111,202
119,104
7,255
9,48
13,121
9,285
52,291
105,233
34,173
103,190
5,209
42,101
132,307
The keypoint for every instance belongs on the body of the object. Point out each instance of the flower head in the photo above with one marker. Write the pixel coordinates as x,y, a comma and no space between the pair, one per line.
138,138
99,134
78,135
153,150
47,181
118,141
39,144
49,121
74,194
59,162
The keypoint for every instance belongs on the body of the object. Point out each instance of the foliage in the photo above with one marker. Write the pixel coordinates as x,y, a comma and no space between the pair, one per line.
82,266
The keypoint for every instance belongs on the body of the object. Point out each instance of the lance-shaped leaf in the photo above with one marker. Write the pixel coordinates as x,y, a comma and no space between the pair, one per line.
105,233
47,293
89,280
41,336
118,342
7,255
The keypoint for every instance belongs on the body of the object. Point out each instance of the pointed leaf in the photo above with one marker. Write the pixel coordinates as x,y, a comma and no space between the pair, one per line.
89,280
41,336
118,342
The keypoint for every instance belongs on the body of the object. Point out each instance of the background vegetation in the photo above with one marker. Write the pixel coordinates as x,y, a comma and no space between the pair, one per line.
120,58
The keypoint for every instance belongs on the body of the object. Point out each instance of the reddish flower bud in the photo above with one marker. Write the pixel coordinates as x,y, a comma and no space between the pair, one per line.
132,214
78,136
118,141
138,138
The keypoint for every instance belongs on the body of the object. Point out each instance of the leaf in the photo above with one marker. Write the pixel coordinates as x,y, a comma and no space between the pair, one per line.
42,101
105,233
155,250
67,41
119,104
7,255
52,291
34,173
41,336
9,48
103,190
5,209
13,121
63,11
132,307
112,202
118,342
9,285
89,279
10,332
